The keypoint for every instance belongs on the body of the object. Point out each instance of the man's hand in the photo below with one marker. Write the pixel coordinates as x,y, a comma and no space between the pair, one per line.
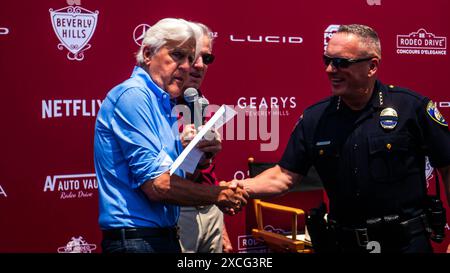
231,199
188,134
211,142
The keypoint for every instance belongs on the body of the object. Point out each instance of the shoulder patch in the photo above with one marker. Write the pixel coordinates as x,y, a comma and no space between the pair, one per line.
434,113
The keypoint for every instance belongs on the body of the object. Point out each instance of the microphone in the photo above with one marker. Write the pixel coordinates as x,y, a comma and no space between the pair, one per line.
196,105
203,104
192,98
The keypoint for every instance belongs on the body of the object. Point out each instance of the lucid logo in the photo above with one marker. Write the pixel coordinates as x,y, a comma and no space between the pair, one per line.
266,39
374,2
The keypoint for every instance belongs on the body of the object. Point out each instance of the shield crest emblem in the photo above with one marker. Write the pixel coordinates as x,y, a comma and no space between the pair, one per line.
74,26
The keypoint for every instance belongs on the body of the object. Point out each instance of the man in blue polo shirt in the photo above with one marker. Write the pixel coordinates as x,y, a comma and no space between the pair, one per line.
136,142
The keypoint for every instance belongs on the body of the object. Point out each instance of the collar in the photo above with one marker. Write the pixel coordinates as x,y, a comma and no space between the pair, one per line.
144,77
379,96
376,101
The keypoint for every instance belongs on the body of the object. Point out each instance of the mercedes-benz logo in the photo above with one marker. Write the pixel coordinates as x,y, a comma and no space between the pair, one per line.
139,33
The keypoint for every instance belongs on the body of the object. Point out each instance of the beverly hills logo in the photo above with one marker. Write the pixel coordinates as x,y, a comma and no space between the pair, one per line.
74,26
421,43
72,186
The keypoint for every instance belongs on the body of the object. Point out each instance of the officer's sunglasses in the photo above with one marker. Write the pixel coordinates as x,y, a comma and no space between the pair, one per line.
208,58
343,62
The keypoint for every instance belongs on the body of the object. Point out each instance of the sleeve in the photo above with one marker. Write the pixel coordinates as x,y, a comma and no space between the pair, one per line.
436,134
295,157
135,128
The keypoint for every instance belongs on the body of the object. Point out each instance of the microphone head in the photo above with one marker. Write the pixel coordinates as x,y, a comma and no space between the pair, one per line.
203,102
190,95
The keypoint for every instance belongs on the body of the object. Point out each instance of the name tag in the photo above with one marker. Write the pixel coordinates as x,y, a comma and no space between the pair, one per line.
323,143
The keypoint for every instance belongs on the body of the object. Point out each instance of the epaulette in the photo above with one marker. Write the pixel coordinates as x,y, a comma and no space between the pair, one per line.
397,89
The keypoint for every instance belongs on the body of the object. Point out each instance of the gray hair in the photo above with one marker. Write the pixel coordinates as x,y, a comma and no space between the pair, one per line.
170,30
206,32
368,36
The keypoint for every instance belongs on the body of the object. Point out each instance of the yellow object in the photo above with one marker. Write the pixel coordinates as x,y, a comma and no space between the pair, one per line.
293,242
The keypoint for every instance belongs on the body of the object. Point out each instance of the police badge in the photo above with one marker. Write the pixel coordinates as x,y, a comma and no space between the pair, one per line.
388,118
434,113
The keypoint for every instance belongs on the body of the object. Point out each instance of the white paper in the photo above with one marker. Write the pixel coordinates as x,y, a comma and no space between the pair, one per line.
189,158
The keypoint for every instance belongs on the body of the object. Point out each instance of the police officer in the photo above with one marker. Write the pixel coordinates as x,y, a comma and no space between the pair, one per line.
368,142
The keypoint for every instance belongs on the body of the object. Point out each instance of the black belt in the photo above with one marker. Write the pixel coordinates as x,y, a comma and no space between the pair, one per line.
134,233
377,228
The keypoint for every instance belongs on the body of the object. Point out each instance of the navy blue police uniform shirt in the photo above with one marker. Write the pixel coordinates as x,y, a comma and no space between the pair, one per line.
372,161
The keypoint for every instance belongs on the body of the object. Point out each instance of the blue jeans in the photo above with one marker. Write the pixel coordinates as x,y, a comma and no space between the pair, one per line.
169,244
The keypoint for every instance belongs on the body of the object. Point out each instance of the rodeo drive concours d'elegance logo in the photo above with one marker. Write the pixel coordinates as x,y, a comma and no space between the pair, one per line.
74,26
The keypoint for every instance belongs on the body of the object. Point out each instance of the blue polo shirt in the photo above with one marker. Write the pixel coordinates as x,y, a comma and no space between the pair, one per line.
134,142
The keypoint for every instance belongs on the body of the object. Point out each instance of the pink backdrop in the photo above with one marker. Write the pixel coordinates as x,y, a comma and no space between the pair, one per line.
265,52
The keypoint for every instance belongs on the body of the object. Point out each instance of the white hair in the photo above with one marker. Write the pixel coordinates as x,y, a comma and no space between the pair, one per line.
170,30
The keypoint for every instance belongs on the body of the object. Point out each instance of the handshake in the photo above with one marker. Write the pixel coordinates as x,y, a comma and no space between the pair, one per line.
232,197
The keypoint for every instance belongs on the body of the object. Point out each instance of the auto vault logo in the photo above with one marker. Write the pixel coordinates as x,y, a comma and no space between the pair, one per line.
77,245
72,186
421,43
74,26
2,192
